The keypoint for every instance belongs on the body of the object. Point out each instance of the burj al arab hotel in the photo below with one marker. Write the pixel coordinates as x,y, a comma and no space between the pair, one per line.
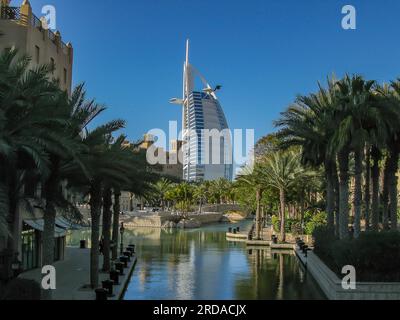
207,142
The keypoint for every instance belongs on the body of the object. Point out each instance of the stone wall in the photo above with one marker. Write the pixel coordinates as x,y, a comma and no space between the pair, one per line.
206,218
158,220
151,221
220,208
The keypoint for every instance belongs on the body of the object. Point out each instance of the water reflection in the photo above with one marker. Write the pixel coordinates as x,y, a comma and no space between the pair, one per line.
201,264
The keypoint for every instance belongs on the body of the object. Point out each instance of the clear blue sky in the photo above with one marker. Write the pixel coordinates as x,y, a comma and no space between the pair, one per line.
130,53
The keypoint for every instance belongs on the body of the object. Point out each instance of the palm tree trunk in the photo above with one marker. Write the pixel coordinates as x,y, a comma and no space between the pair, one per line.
385,192
50,190
13,216
107,203
95,212
376,155
48,232
367,190
337,197
330,196
115,227
130,202
282,201
343,159
393,180
258,212
358,157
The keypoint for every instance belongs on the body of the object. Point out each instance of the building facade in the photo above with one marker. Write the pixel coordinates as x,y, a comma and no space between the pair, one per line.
207,141
172,168
24,31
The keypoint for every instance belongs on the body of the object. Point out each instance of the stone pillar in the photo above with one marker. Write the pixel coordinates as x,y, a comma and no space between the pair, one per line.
70,53
5,3
58,38
26,13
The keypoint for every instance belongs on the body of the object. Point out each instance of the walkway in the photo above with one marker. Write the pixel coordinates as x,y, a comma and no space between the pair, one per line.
73,273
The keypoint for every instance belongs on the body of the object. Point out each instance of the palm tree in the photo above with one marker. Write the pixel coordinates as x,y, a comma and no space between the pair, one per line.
201,193
308,124
160,188
361,119
139,182
182,195
115,222
254,177
78,114
391,101
394,146
102,166
282,170
122,162
28,123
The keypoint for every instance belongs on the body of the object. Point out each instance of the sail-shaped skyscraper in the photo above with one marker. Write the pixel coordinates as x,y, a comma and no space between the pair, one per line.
207,145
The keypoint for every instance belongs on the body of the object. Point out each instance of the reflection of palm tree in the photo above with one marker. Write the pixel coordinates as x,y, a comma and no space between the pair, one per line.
280,293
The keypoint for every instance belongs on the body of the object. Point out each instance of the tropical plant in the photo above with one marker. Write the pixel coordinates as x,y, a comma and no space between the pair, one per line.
282,169
28,131
182,195
254,179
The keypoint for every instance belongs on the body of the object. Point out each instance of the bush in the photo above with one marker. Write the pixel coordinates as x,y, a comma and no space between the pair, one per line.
296,228
291,225
316,220
324,238
375,255
22,289
276,223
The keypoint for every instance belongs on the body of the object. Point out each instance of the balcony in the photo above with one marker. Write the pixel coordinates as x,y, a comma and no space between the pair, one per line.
10,13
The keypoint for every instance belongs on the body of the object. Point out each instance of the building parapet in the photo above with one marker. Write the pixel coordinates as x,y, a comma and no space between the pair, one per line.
24,16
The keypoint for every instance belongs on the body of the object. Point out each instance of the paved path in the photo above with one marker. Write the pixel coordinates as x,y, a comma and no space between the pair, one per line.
73,273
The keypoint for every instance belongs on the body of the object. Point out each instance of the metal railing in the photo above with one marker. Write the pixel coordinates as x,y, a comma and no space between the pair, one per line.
36,23
52,35
10,13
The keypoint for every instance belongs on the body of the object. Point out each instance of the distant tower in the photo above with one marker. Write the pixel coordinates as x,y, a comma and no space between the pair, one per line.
201,110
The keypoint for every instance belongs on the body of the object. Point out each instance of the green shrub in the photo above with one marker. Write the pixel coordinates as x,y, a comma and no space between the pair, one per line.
375,255
291,225
22,289
288,224
296,228
323,241
276,223
316,220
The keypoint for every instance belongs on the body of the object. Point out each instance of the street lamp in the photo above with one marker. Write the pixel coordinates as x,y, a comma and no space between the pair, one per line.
121,231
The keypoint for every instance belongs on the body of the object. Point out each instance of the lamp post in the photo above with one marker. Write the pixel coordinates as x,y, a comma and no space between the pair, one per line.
121,231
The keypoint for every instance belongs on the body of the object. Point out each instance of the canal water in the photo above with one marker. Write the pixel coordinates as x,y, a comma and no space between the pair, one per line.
201,264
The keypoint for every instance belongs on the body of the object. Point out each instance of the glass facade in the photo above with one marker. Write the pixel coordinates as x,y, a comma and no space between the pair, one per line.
204,112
